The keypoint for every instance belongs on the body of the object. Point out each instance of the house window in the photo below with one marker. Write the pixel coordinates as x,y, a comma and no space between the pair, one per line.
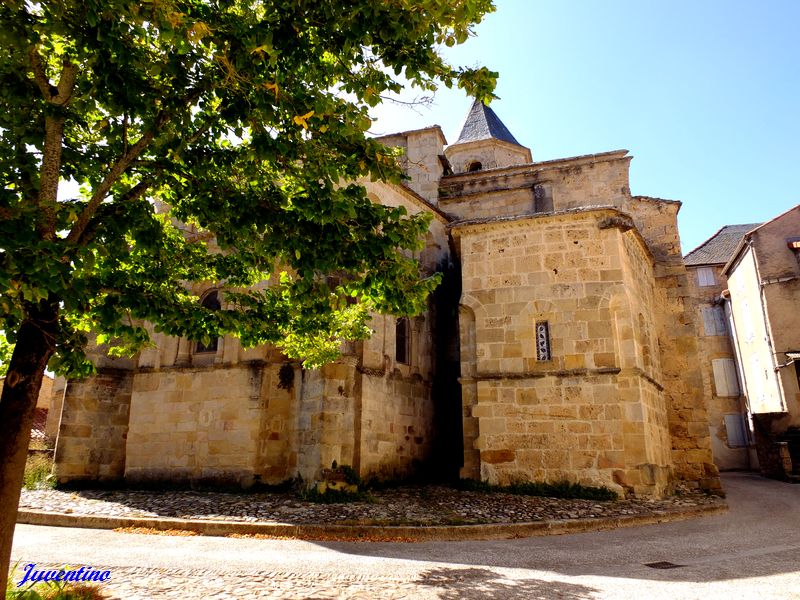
474,166
714,320
542,340
705,277
725,380
736,429
211,302
402,341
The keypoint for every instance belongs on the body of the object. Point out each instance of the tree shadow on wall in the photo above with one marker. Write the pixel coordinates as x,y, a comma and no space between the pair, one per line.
485,584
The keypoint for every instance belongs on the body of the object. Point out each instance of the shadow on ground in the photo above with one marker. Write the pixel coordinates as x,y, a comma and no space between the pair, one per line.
759,536
485,584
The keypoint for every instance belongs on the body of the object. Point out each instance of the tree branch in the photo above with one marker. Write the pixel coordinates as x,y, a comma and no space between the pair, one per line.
133,194
111,177
120,167
125,133
60,94
49,176
50,169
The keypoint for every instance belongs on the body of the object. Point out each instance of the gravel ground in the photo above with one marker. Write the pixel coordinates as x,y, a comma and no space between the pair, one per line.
417,505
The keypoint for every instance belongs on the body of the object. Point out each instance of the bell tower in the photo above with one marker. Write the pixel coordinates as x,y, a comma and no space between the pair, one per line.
485,143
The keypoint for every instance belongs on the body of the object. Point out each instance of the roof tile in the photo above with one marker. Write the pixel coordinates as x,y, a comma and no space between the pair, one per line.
719,248
483,124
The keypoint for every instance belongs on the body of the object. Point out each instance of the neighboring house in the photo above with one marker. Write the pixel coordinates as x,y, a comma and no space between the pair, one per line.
763,290
727,411
45,421
562,345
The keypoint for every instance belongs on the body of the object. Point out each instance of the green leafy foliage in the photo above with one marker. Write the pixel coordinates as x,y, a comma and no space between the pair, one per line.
209,141
6,350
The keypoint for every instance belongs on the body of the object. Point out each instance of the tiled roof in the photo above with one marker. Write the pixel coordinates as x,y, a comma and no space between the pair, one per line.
483,124
719,248
39,424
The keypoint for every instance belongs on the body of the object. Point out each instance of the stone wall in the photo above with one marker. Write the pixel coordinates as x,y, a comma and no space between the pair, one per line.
715,344
397,407
93,427
514,202
420,161
197,425
327,426
56,404
397,420
586,181
593,412
277,455
491,154
678,331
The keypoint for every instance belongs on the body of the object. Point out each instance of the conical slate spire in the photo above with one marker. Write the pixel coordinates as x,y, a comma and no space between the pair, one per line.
483,124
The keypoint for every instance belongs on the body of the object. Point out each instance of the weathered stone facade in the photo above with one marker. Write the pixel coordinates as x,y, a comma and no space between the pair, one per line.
727,412
563,345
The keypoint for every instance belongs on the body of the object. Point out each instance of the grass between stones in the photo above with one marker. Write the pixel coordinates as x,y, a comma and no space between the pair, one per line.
39,466
559,489
331,496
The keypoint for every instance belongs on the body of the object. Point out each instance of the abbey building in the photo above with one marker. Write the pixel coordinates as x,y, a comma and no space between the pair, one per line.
562,345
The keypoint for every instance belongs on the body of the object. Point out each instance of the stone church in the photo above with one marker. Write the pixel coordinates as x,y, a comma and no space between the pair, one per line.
561,345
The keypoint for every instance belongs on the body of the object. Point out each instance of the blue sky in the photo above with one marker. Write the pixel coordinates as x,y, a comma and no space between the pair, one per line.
704,94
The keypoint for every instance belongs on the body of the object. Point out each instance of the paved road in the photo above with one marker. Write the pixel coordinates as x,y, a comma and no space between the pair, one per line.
751,552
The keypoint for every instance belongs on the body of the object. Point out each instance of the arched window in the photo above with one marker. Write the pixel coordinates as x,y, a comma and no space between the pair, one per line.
402,340
475,165
211,302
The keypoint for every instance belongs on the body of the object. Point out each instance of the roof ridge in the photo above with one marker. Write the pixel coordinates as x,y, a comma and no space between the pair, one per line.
717,248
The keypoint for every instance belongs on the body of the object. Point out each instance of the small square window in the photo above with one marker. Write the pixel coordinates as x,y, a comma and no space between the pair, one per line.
736,429
714,320
705,277
726,382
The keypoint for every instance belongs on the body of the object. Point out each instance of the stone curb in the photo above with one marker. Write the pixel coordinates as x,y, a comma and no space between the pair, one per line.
493,531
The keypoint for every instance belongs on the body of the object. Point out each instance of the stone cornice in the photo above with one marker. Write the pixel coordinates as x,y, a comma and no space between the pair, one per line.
537,167
483,142
414,132
614,218
561,373
540,374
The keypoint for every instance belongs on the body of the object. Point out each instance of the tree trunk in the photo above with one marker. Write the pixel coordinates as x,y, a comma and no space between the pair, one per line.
34,347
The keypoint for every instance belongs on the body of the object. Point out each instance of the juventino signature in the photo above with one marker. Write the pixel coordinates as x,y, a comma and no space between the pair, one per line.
63,574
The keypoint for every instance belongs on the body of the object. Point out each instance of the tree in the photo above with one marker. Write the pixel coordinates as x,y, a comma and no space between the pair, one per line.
243,118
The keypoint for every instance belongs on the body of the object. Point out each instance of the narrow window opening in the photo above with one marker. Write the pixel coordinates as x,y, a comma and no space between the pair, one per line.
542,341
210,302
474,166
402,338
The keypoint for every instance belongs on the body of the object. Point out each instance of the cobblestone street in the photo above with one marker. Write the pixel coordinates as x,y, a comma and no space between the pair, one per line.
422,505
749,552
